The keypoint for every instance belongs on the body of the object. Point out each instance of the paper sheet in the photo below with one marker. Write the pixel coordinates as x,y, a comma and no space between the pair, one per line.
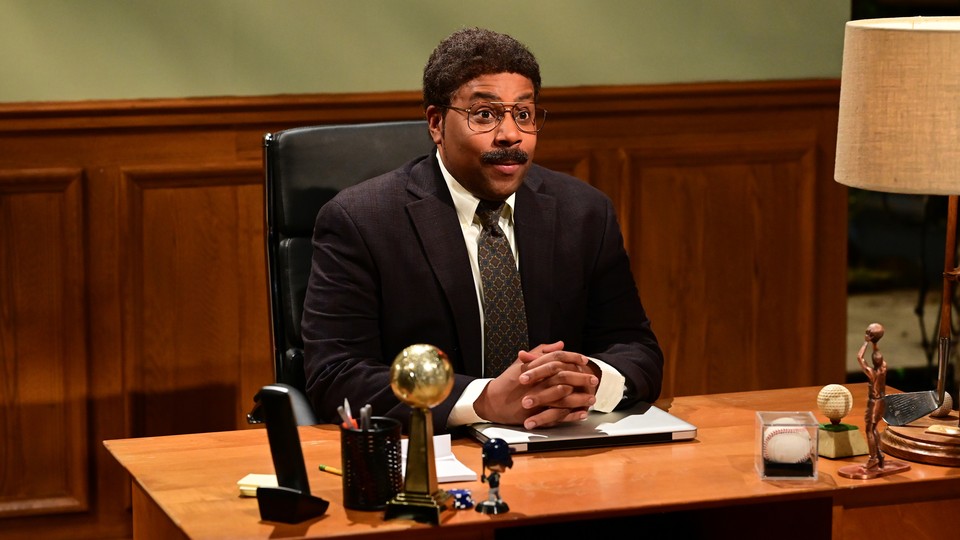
449,468
511,434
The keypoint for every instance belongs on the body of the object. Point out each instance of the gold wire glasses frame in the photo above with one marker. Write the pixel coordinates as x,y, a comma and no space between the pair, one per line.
485,116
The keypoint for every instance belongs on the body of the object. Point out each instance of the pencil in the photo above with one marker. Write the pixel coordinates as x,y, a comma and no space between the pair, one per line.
331,470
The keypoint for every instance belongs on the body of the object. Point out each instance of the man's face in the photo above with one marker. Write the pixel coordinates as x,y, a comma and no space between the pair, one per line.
467,154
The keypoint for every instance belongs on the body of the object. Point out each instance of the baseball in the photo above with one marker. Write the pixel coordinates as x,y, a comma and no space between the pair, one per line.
835,402
784,441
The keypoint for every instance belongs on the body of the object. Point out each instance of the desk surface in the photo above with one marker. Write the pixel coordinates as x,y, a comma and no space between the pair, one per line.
192,478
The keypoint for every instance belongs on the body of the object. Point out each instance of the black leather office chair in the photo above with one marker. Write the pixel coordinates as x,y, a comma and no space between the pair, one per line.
305,168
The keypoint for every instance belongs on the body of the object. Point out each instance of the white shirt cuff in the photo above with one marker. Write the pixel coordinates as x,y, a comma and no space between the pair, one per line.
611,389
463,412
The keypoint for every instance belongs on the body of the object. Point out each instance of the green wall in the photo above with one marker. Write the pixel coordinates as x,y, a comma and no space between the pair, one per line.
55,50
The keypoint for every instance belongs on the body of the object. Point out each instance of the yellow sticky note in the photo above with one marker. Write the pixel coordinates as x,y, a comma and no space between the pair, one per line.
248,484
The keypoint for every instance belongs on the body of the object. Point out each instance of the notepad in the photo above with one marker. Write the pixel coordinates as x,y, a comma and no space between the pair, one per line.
449,468
641,424
248,484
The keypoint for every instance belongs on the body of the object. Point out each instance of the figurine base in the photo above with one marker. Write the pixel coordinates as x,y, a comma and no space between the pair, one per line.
841,441
914,442
419,507
860,472
493,507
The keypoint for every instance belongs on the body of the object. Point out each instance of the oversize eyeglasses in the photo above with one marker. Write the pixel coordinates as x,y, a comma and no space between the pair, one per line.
485,116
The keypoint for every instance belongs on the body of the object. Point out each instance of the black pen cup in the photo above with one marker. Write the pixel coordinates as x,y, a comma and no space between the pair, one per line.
371,464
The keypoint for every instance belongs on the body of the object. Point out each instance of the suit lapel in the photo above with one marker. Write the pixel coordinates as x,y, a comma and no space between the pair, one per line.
535,220
435,221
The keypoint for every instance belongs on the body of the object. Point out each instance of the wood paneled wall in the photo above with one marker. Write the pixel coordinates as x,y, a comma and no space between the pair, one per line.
133,297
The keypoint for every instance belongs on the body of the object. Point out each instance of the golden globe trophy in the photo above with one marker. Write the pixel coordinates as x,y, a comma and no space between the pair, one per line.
421,376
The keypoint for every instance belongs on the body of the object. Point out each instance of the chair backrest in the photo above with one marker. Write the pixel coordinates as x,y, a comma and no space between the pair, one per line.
305,167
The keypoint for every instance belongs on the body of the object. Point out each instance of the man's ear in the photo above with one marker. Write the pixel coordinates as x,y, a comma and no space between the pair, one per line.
435,123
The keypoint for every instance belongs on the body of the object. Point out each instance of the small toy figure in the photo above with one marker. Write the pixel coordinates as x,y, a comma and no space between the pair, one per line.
496,457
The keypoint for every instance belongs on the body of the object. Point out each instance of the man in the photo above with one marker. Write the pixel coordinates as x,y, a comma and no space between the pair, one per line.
404,258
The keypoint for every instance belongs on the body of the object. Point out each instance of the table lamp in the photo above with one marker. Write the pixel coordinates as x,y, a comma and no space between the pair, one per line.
899,132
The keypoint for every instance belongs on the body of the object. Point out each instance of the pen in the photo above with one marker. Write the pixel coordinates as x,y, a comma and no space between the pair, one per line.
346,409
343,415
365,417
347,421
331,470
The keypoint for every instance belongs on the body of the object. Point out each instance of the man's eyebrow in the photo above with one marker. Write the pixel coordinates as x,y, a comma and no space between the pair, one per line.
488,96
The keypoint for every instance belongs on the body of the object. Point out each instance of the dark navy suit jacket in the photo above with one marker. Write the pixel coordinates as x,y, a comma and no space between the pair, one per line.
390,269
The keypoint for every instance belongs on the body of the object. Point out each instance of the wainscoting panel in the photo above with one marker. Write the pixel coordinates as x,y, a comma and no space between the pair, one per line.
43,361
724,240
195,296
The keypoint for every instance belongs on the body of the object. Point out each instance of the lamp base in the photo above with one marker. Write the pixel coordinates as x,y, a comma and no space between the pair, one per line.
913,442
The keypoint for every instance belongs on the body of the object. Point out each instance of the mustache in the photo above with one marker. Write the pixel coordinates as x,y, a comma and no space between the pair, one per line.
504,155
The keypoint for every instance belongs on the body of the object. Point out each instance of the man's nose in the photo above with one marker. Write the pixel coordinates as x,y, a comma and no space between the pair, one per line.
508,132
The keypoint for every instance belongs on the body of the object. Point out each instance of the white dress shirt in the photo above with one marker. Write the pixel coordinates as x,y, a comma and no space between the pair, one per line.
611,388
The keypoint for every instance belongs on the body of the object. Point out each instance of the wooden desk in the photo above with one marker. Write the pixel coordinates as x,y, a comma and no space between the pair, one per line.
185,486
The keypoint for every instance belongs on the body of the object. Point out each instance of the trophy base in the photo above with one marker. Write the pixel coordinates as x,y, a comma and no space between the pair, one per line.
419,507
915,441
841,441
860,472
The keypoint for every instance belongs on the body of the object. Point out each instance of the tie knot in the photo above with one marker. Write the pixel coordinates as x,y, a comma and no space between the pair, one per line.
488,212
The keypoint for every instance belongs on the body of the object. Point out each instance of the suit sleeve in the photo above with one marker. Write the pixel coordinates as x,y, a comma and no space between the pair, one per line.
341,342
343,352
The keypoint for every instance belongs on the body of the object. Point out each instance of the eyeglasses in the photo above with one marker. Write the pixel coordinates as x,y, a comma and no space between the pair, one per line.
485,116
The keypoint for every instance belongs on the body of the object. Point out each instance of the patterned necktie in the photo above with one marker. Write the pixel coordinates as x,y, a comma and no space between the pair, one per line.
504,314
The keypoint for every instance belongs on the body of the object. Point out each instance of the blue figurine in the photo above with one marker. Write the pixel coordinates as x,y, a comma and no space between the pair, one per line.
496,457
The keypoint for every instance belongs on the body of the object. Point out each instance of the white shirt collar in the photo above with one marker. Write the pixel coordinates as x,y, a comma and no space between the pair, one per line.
464,201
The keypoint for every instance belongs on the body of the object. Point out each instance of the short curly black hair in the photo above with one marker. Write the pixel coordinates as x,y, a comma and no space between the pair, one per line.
469,53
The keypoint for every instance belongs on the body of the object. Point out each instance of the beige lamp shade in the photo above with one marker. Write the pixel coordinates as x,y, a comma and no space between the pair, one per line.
899,125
